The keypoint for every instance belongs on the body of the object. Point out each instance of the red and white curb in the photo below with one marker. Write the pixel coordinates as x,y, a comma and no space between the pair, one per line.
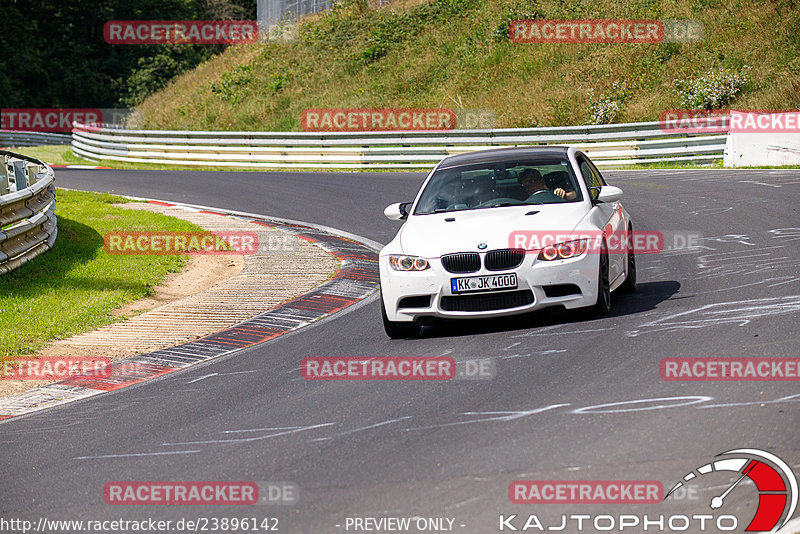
356,279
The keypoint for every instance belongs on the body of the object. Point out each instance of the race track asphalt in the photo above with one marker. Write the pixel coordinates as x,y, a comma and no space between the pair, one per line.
574,397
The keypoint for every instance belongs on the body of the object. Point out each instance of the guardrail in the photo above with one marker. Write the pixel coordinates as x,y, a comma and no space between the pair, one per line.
27,209
607,145
11,138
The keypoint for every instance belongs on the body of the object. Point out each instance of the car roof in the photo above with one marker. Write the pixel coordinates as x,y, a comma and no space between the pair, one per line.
503,154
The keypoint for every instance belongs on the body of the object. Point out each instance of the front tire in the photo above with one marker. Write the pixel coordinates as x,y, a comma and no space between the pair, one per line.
398,330
603,304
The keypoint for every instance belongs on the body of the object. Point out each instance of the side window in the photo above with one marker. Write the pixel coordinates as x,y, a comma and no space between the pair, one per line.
591,176
598,178
588,176
586,171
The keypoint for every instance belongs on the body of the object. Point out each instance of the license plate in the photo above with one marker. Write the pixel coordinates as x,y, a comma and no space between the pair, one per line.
483,283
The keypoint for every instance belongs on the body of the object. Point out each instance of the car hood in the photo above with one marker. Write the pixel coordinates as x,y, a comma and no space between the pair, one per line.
433,235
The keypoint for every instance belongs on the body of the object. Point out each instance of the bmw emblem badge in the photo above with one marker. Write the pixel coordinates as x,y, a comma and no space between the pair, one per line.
482,246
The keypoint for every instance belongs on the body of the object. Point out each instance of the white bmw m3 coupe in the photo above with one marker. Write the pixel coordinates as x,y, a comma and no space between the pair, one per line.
502,232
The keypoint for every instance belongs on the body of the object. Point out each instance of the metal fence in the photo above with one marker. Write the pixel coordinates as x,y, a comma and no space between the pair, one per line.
272,12
607,145
27,209
9,138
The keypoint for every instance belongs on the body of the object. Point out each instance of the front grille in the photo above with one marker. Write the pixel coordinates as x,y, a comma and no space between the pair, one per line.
500,260
488,301
463,262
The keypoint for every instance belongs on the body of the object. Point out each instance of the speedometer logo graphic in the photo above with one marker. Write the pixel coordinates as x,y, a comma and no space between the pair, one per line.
775,481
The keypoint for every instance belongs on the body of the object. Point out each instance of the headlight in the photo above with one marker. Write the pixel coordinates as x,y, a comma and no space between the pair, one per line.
563,251
408,263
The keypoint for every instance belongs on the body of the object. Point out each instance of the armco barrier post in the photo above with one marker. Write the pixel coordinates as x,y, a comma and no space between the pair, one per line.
4,185
32,170
20,178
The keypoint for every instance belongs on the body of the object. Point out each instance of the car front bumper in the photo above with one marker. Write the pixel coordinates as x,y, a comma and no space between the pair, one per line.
570,283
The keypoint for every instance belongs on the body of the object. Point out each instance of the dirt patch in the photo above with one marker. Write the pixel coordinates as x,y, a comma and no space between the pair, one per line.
200,273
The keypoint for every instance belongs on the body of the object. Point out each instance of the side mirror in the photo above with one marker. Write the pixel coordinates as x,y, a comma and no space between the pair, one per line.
609,193
397,212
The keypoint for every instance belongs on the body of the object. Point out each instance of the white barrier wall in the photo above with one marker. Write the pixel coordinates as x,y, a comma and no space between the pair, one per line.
758,139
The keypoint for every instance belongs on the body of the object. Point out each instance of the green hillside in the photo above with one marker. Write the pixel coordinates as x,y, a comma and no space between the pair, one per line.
456,54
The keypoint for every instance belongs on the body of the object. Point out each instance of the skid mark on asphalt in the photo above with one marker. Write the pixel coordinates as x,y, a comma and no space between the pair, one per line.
736,312
531,354
789,398
466,418
361,429
199,378
786,234
248,440
496,416
547,331
133,455
707,211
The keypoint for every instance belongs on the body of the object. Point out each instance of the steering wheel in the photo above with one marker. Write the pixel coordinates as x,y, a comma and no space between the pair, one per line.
544,195
499,200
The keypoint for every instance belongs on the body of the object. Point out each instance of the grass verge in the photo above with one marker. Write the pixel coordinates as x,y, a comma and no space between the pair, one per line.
75,287
52,154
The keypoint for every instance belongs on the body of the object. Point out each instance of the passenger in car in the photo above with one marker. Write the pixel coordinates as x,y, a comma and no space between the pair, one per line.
533,181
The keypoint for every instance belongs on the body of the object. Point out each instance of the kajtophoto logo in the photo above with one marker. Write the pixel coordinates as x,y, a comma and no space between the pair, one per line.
775,483
773,478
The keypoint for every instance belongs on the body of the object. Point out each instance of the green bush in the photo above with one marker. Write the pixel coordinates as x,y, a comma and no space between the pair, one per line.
234,84
715,89
606,108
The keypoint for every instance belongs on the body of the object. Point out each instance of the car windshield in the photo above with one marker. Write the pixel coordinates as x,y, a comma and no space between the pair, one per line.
498,184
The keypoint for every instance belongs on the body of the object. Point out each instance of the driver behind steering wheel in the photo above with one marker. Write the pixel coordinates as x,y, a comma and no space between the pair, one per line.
533,182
